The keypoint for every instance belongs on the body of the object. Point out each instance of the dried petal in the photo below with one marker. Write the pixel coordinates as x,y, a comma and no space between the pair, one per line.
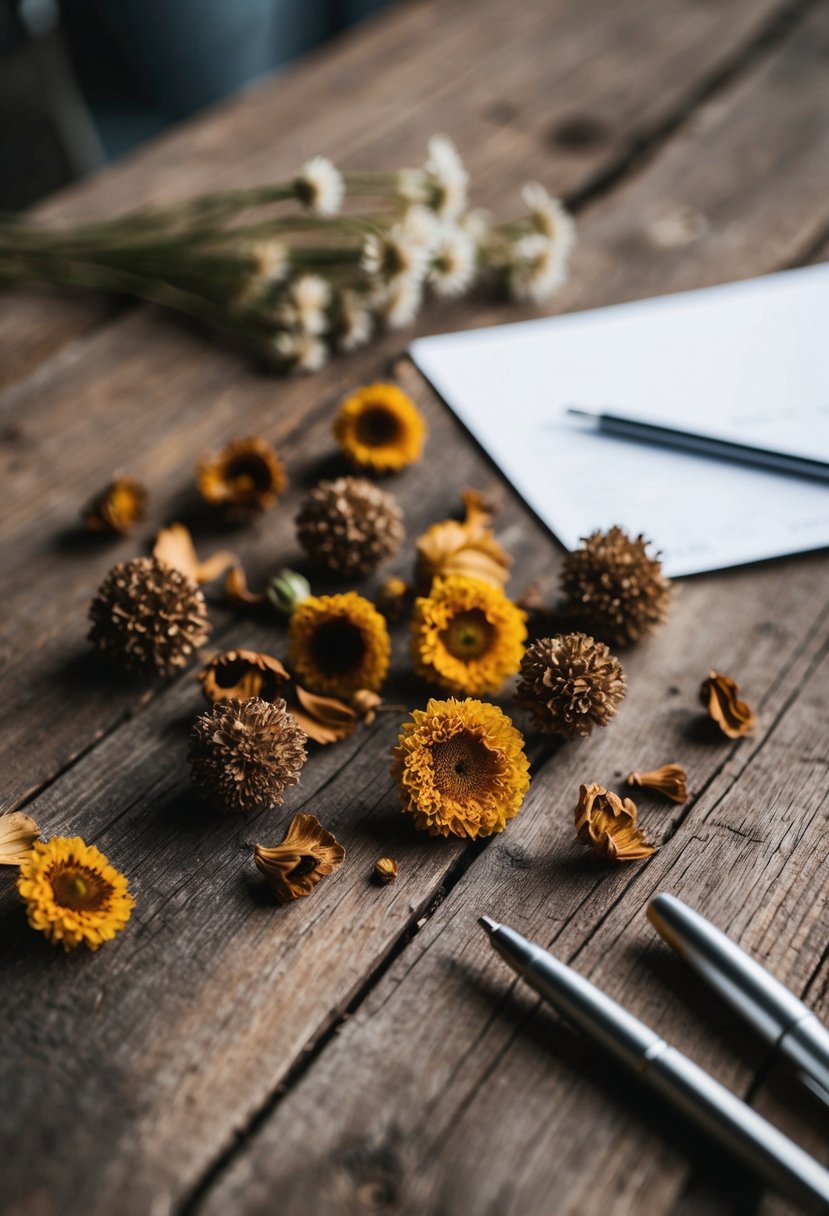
468,548
669,780
366,703
607,825
18,833
719,695
236,589
243,674
306,855
324,719
385,870
174,546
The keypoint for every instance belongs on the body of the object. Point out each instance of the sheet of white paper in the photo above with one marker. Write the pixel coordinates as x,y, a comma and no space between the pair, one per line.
745,360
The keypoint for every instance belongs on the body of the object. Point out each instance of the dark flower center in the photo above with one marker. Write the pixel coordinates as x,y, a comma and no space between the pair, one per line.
77,887
305,866
251,470
377,427
338,646
468,635
464,768
247,679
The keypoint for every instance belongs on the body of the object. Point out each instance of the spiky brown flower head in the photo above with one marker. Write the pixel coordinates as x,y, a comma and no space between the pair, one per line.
615,588
148,616
242,674
461,769
244,754
349,525
720,696
18,833
570,683
467,636
608,825
669,780
339,644
72,894
379,427
466,547
307,854
385,870
245,478
118,508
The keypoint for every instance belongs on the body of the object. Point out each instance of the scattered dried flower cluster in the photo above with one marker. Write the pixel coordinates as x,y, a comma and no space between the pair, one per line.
299,269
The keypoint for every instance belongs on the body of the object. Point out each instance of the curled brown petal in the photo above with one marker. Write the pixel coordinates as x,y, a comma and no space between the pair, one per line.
719,695
307,854
174,546
669,780
608,825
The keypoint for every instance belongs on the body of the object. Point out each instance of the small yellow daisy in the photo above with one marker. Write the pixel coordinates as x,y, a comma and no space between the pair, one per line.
339,644
380,427
73,894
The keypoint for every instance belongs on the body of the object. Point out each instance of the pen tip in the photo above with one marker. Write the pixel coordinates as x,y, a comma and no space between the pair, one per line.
488,923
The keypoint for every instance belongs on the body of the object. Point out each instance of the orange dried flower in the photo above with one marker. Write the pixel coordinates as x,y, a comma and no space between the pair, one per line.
307,854
118,507
339,644
243,674
608,825
380,427
244,478
669,780
719,695
465,547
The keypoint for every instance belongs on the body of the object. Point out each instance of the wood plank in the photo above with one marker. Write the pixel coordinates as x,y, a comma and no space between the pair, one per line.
395,67
193,1037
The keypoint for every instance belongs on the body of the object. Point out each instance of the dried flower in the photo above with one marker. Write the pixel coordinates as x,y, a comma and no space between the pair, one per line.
366,704
307,854
299,352
324,719
240,674
18,833
146,615
244,478
468,548
395,255
461,768
385,870
174,546
352,323
452,262
399,302
305,305
720,696
349,525
570,683
607,825
380,427
118,508
244,754
393,597
467,636
537,270
72,894
615,588
550,218
442,182
339,644
669,780
320,186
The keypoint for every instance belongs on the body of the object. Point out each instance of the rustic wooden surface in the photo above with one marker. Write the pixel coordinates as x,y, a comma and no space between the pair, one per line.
363,1051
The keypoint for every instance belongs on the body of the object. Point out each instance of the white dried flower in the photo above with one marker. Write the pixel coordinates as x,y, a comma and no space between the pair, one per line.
354,323
269,260
447,176
549,217
300,352
305,304
422,226
536,270
452,266
394,255
401,302
477,223
320,186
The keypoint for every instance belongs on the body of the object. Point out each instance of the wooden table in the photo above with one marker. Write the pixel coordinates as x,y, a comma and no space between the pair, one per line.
363,1051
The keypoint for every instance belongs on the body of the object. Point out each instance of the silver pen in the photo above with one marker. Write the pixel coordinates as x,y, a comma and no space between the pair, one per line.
775,1012
713,1108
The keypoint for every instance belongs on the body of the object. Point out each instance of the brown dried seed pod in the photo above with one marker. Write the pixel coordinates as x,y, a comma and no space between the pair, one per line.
349,525
615,588
570,683
244,754
148,616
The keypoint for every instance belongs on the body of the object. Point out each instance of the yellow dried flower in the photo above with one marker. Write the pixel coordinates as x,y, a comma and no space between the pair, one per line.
468,547
18,833
339,644
608,825
72,893
306,855
380,427
385,870
467,636
669,780
461,768
243,674
118,508
244,478
719,695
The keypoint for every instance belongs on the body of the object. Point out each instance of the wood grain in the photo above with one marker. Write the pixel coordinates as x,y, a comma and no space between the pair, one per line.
362,1050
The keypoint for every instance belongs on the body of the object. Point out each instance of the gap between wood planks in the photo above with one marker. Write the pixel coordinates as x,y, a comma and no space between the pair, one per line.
641,147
